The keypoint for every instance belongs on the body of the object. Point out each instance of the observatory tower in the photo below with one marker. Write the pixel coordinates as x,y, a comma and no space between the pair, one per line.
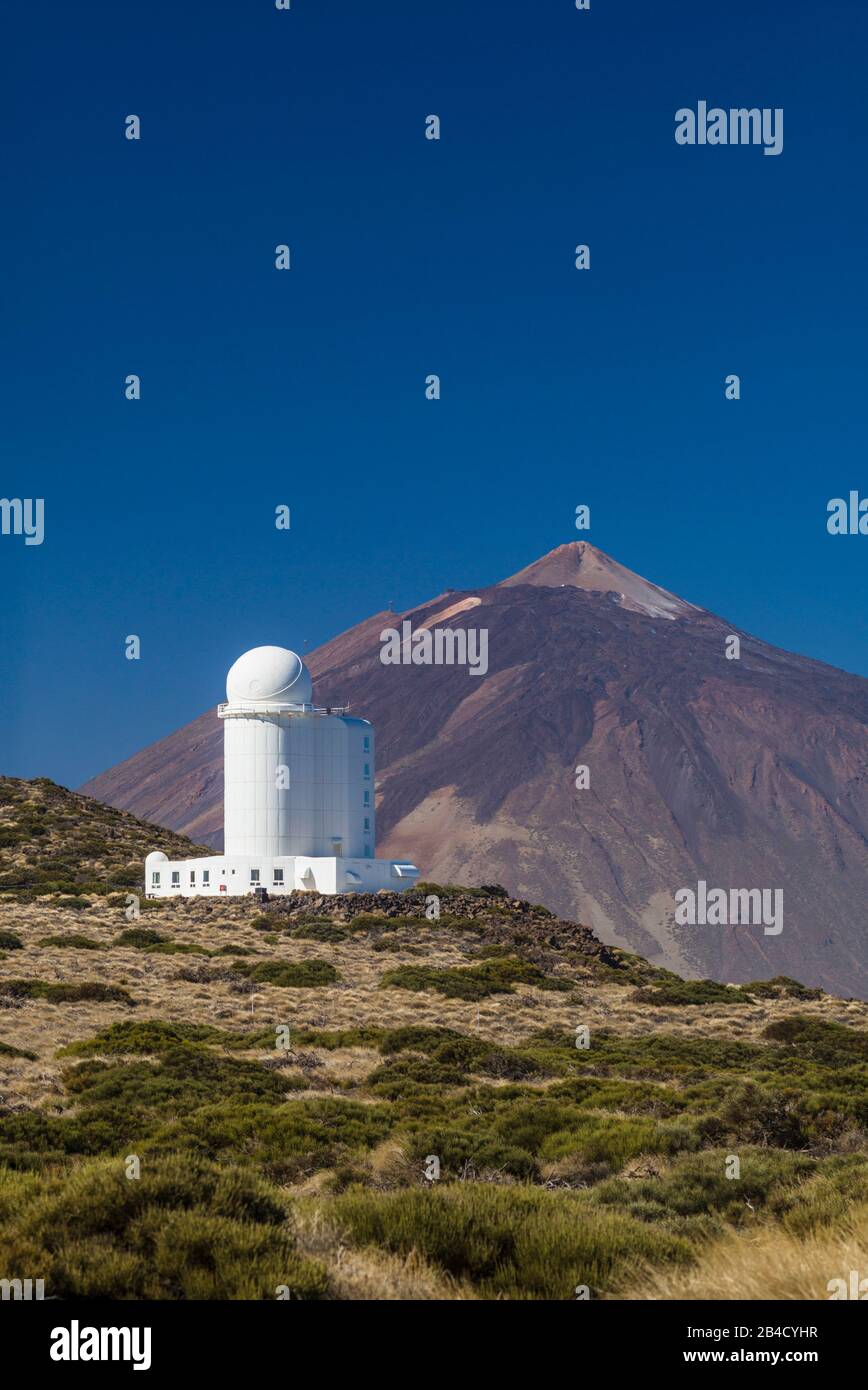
298,794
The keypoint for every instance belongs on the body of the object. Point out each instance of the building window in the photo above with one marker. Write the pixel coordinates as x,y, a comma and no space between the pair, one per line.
176,878
367,743
367,769
367,822
367,851
192,876
206,877
278,875
155,879
254,875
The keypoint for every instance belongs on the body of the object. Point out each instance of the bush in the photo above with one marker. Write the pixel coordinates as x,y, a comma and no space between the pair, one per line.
142,1036
305,974
509,1242
288,1142
141,938
73,942
92,991
10,942
690,992
831,1044
367,921
319,931
184,1230
781,987
756,1115
6,1050
472,982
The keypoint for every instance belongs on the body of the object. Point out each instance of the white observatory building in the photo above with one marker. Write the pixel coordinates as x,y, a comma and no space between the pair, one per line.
298,794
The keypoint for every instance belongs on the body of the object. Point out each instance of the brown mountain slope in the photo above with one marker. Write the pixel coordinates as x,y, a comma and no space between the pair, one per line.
746,773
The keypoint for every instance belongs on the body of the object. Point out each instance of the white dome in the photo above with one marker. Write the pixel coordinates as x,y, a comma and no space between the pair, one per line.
269,674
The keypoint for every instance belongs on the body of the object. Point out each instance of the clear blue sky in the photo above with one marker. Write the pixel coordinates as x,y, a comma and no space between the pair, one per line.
410,257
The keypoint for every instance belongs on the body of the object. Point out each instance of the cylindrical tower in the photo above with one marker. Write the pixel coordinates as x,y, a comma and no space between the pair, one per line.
297,781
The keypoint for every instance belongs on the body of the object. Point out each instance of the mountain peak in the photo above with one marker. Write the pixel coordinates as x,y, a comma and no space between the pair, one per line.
582,566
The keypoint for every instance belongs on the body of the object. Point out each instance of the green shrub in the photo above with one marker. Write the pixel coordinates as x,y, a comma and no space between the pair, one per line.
92,991
367,921
366,1036
184,1230
176,948
831,1044
696,1184
826,1199
72,942
142,1036
7,1050
319,931
141,938
184,1076
452,890
509,1242
690,992
10,942
305,974
286,1142
781,987
471,982
391,1080
757,1115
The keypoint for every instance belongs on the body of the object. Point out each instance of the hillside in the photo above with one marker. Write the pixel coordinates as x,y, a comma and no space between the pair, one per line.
302,1161
56,840
749,773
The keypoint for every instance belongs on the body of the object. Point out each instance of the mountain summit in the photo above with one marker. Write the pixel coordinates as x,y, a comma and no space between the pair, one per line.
739,774
581,565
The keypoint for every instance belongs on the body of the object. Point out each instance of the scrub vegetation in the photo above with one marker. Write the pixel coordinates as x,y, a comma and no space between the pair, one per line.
236,1102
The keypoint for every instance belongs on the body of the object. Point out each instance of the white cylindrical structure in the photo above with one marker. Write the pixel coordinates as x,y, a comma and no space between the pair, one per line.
297,781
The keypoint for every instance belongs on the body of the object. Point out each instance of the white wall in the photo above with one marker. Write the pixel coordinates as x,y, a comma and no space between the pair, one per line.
230,875
322,812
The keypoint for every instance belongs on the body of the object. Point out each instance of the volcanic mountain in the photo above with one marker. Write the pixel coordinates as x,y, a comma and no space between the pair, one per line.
745,773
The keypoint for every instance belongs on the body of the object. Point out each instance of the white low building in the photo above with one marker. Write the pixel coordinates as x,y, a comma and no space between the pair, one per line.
298,794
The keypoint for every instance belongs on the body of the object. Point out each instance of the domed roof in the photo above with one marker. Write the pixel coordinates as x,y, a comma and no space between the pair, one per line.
269,675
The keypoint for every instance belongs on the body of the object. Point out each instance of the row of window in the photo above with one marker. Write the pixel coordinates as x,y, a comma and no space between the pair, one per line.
255,878
206,877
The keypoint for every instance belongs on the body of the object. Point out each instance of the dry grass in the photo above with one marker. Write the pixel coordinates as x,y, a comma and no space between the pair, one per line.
371,1275
160,991
771,1264
585,1166
356,1000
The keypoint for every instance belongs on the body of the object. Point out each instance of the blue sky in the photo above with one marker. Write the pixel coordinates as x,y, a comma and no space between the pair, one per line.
410,257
